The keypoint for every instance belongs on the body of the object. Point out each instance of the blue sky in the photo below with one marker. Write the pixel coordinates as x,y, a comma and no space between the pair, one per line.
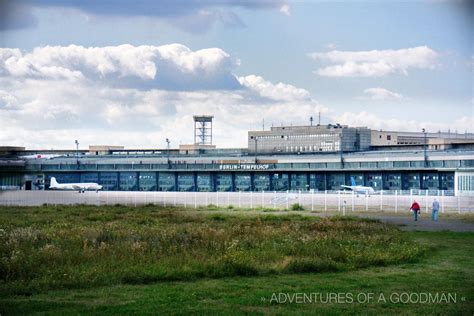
385,64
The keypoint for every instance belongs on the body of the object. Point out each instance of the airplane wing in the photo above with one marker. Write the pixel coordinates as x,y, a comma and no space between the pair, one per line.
347,187
76,187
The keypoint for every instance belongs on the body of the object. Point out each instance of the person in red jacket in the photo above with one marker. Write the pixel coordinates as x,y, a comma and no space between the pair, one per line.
415,208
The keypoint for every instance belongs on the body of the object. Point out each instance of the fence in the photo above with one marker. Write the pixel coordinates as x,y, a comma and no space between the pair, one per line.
342,201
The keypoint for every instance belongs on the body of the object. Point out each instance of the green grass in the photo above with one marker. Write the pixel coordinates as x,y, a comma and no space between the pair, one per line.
112,260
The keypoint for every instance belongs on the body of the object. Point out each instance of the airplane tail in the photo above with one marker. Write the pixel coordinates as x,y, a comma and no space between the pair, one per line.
54,183
353,182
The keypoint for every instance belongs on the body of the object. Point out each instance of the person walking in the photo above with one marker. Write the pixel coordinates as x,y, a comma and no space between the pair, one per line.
415,208
435,210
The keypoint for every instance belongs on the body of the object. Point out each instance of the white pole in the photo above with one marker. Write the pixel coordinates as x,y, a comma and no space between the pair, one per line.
426,201
107,197
339,201
185,199
396,201
164,199
459,204
352,198
154,198
195,199
381,200
217,198
228,198
325,200
263,198
135,198
251,200
207,203
442,201
240,192
366,201
287,200
312,200
274,199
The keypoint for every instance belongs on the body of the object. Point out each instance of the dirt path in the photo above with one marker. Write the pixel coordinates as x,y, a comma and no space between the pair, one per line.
424,223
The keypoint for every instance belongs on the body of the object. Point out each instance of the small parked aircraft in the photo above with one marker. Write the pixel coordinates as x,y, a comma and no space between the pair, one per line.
359,189
81,187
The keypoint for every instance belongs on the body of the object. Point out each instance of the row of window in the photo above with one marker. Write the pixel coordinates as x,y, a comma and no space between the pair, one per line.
168,181
320,165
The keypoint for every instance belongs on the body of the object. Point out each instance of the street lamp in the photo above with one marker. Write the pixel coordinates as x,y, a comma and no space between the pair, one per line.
77,151
425,156
168,147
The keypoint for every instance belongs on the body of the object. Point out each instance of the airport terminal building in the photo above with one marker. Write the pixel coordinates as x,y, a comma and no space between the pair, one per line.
211,169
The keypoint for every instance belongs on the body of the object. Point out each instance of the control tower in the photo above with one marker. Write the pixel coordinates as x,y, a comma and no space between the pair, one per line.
203,129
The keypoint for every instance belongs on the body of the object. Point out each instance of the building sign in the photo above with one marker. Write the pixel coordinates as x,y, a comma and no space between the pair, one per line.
244,167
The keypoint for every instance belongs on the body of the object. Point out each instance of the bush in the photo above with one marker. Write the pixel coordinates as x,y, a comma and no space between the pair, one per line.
297,207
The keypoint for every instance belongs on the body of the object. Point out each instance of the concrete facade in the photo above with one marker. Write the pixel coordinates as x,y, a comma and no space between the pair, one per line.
309,139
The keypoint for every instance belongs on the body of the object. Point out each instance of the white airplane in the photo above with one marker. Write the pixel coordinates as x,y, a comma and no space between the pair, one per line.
81,187
40,156
359,189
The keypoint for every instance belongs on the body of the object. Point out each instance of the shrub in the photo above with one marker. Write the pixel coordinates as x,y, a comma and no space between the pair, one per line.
297,207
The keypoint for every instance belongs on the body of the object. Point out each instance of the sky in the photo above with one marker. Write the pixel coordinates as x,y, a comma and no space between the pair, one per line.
134,73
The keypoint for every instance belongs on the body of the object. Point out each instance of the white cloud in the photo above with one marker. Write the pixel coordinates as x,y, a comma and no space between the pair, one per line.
375,63
44,104
373,121
285,9
279,91
172,66
381,94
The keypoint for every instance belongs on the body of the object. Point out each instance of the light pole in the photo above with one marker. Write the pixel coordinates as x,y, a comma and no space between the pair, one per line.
425,156
77,151
168,152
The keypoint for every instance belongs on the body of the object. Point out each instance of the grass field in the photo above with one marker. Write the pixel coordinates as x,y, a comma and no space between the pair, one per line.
112,260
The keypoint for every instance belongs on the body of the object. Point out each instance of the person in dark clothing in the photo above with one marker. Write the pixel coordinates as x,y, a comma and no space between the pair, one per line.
415,208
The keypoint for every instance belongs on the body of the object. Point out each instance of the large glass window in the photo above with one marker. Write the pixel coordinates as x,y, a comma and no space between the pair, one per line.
224,182
392,181
430,181
128,181
299,181
410,181
280,181
317,181
166,181
374,180
88,177
243,182
186,182
204,182
447,180
335,180
261,182
147,181
109,180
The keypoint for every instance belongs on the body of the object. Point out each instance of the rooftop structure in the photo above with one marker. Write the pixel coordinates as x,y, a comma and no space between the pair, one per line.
203,129
309,139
